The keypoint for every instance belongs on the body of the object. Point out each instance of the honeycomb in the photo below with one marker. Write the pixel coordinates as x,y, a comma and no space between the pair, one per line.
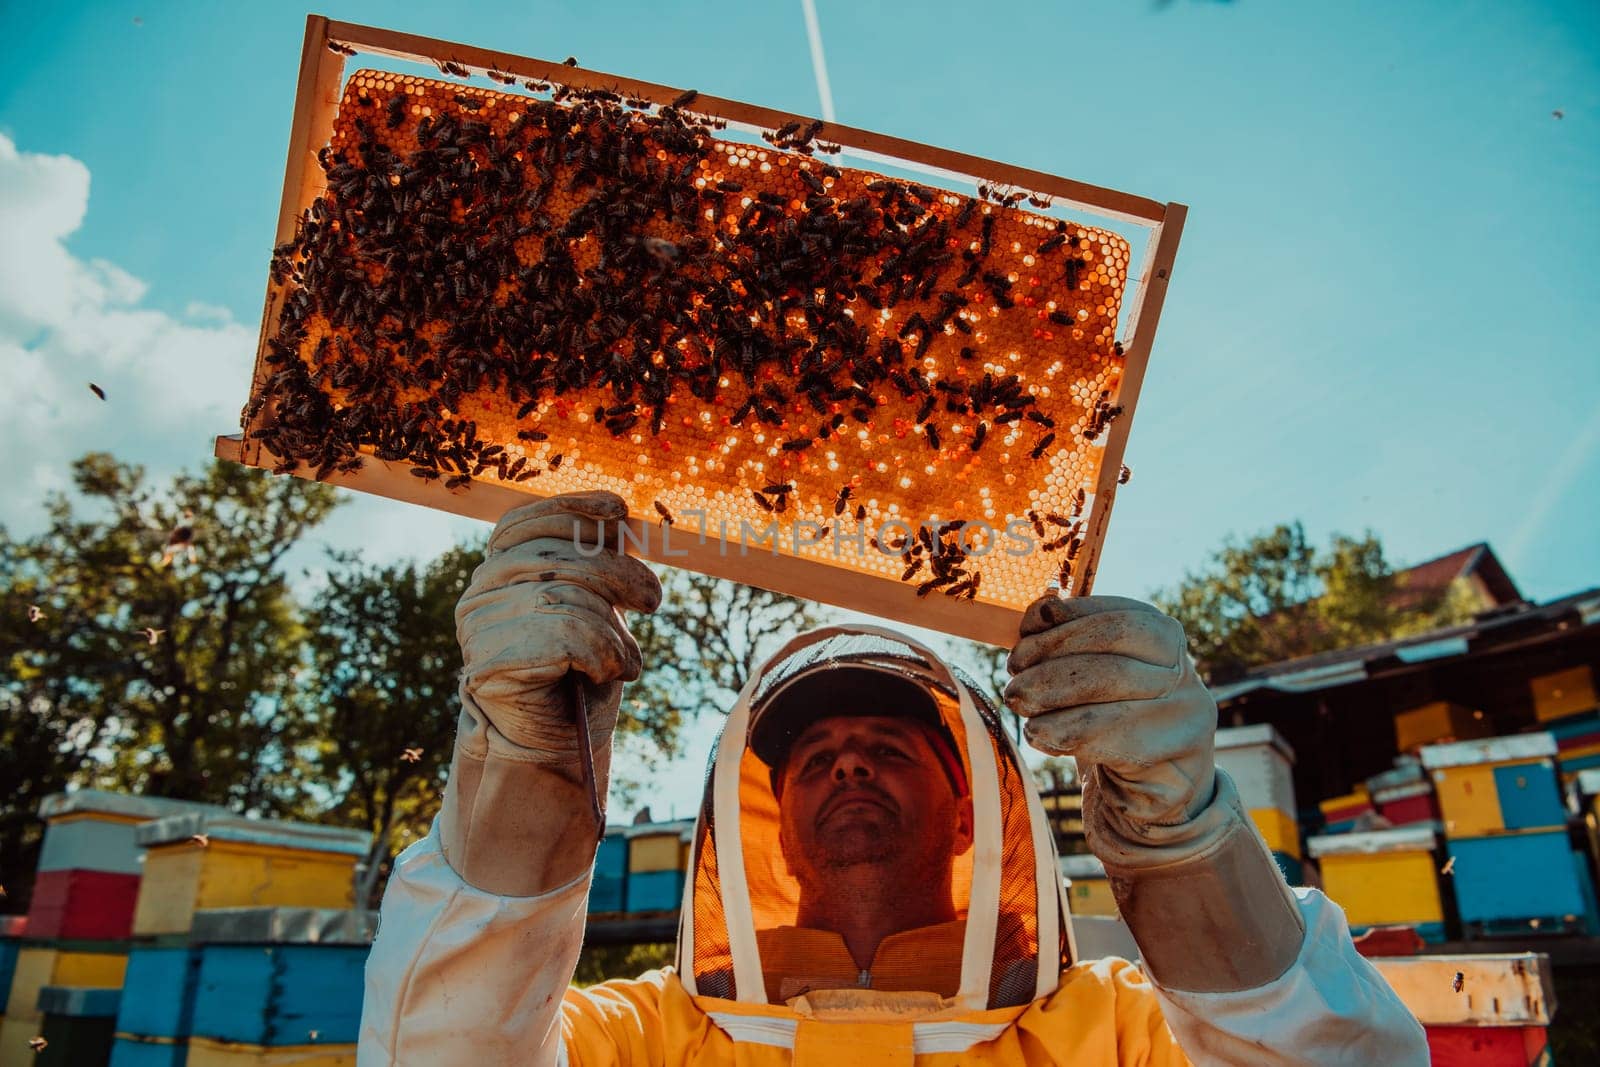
566,290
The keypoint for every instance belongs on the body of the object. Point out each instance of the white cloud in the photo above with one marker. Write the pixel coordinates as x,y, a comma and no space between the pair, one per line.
171,384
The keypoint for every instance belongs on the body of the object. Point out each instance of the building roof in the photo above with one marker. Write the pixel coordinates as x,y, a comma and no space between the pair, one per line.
1432,578
1502,625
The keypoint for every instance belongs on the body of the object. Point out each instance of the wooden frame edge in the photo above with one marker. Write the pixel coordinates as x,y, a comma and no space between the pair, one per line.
884,598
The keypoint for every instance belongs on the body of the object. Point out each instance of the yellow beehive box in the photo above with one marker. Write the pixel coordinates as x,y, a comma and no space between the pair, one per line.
1563,693
1383,876
39,966
14,1037
1088,892
197,862
1279,829
204,1052
1464,779
655,852
1437,722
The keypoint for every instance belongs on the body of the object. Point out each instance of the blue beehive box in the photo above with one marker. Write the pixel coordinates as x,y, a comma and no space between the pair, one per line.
280,976
158,997
1530,796
8,966
610,875
654,891
1510,878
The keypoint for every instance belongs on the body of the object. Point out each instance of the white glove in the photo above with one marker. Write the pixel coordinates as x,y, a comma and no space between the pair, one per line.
1109,680
544,602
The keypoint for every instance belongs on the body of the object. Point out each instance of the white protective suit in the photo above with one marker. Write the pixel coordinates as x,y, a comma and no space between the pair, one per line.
459,975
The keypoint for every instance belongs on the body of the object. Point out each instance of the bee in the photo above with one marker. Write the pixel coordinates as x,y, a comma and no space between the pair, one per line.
1459,981
471,103
1039,200
1061,318
501,77
340,49
1124,474
861,513
684,99
555,461
761,502
97,391
661,509
979,436
1044,442
425,473
532,435
570,61
730,187
1033,520
396,112
840,500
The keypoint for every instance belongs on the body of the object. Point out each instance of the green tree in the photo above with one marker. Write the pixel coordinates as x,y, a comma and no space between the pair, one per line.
385,660
1275,596
698,649
133,662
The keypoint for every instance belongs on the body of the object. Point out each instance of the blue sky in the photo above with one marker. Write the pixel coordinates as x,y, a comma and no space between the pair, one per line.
1384,313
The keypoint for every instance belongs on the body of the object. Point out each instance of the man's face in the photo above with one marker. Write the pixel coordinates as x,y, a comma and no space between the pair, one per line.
869,790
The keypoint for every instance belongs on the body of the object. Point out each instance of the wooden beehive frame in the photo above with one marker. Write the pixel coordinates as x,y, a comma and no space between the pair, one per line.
317,99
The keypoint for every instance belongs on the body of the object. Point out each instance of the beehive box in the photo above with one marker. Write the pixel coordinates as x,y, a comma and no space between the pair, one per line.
1485,1010
1513,882
77,1026
610,875
1498,785
158,1004
82,965
197,862
1088,891
271,977
1564,693
1438,722
83,905
94,830
1384,878
564,282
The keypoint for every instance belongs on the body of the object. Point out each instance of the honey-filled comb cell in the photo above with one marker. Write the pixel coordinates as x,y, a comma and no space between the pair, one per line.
817,378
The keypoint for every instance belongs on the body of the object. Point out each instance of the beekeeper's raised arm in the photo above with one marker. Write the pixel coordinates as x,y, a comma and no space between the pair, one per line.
516,824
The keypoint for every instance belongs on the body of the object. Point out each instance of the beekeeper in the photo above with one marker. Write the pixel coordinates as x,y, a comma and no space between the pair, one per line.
873,880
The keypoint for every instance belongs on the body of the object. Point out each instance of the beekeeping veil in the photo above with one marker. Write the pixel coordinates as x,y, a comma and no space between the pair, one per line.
1007,887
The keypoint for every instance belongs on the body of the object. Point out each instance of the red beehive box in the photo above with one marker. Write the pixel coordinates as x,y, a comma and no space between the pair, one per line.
83,905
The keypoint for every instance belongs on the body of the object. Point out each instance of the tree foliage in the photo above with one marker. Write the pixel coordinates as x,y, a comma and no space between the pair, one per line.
1275,596
698,649
382,690
125,669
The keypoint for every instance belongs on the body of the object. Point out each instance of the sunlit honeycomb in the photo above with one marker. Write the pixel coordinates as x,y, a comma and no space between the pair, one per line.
363,365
